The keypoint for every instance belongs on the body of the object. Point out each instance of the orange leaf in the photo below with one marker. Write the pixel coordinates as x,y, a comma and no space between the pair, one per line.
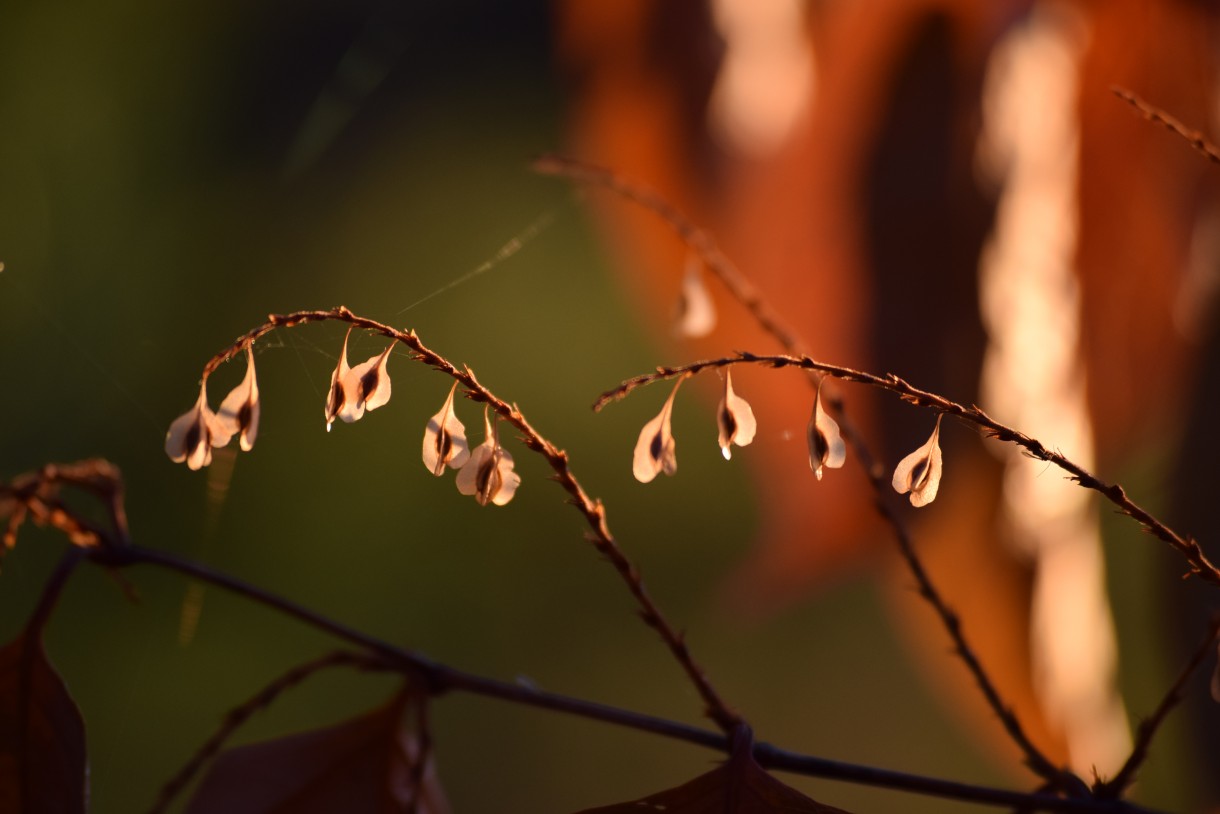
366,765
42,735
739,786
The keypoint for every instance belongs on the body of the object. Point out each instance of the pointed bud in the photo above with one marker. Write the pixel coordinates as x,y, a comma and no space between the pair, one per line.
919,472
194,433
337,397
239,411
370,381
445,439
734,418
354,390
654,451
826,447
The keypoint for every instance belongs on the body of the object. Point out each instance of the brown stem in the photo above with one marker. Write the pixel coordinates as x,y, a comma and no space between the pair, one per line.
1155,114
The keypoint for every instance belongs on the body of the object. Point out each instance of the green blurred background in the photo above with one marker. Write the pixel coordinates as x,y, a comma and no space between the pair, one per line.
169,174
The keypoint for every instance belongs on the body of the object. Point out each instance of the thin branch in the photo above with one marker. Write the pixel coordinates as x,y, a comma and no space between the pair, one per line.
1114,788
440,678
592,509
742,289
244,711
1199,565
1155,114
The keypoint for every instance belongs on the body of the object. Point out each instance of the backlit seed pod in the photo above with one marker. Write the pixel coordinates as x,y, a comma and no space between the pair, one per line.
239,411
337,397
826,447
919,472
370,381
445,439
356,389
193,434
654,451
488,474
734,418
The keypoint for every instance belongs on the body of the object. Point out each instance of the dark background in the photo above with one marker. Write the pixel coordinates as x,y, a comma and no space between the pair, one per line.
169,174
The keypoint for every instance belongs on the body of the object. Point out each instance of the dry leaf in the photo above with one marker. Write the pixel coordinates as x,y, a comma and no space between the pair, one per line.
740,786
362,766
42,738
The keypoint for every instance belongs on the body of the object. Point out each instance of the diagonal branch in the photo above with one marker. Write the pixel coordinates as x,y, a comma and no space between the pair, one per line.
1114,788
592,509
741,288
1155,114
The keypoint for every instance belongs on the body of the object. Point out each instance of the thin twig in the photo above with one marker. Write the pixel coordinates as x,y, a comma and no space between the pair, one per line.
1113,789
243,712
697,240
742,289
1199,565
1155,114
440,678
592,509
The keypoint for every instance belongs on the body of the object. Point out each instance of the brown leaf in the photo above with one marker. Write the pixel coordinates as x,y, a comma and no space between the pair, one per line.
42,735
740,786
367,765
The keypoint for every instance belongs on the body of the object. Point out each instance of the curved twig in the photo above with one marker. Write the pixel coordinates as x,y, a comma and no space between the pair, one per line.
1114,788
1200,565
